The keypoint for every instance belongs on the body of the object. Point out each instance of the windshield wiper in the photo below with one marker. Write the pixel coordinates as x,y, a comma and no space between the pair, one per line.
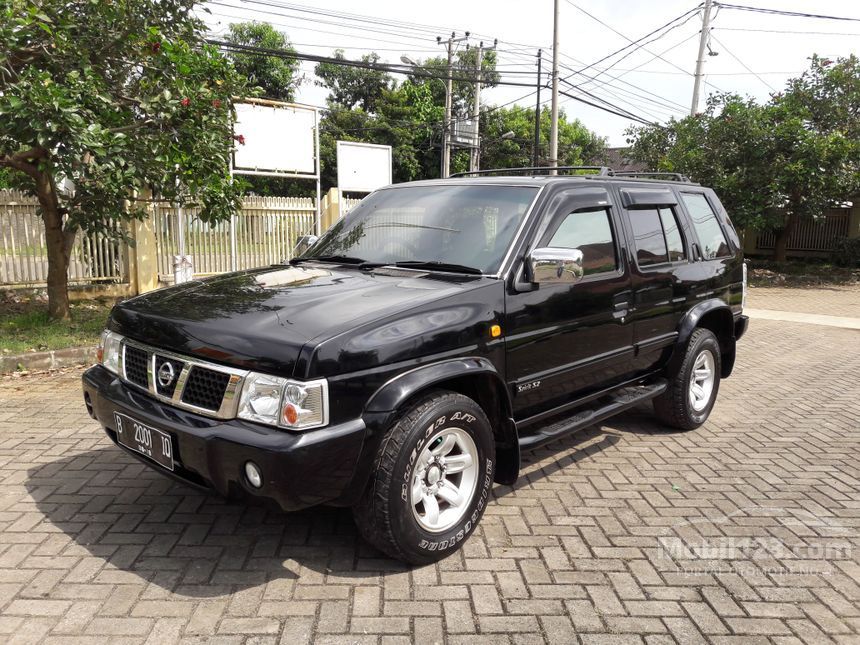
343,259
438,266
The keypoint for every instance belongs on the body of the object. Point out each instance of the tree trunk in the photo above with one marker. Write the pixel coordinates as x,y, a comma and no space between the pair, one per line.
780,246
59,243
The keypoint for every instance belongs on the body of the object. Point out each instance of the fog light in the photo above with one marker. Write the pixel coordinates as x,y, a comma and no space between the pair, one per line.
252,472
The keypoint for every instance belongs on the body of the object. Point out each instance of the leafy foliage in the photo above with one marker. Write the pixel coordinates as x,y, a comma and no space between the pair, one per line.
114,97
775,163
354,87
276,77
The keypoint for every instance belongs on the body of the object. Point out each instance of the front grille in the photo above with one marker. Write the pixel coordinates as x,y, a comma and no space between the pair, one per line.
135,361
205,388
170,388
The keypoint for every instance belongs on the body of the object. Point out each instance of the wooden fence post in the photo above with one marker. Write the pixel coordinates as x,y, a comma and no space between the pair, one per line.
330,212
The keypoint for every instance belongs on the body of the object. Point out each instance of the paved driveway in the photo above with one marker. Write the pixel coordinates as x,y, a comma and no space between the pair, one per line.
743,531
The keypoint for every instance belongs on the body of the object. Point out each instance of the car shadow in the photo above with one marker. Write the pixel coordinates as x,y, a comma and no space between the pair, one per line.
186,541
141,524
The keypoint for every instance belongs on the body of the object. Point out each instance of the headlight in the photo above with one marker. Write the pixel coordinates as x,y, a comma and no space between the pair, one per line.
745,287
110,349
282,402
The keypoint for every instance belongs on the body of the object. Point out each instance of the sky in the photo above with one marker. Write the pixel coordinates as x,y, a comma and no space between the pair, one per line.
754,53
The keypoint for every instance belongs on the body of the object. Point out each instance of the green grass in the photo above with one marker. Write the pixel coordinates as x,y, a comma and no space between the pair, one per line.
25,326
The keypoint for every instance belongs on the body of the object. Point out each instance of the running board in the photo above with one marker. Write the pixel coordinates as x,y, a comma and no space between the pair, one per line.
623,399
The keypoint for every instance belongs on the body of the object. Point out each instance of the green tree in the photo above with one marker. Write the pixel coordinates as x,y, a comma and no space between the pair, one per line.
774,164
277,77
115,97
354,87
577,145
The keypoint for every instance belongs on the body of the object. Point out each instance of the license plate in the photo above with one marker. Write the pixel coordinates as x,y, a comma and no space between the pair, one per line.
144,439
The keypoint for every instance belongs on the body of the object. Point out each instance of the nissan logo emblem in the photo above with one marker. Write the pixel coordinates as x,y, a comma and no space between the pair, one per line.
165,375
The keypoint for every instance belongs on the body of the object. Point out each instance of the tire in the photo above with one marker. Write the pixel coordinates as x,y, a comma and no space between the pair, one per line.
680,406
416,462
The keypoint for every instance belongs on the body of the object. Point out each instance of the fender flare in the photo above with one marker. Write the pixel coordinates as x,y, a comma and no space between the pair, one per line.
399,389
691,321
383,408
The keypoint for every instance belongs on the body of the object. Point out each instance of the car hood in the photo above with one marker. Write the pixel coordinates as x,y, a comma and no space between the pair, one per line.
261,319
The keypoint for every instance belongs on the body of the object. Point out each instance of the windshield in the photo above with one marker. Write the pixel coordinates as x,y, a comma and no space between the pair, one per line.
470,226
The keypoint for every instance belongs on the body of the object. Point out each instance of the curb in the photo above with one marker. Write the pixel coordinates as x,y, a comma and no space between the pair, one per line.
52,360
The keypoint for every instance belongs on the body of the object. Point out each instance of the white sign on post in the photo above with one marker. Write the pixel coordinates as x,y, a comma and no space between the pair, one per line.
275,139
362,167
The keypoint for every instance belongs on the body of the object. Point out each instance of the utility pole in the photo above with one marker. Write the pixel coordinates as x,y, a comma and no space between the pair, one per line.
475,156
475,152
553,132
703,41
536,151
449,90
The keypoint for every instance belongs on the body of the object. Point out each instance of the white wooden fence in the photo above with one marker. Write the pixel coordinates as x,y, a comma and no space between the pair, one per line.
263,232
24,254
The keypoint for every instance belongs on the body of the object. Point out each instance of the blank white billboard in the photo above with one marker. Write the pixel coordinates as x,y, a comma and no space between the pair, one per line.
362,167
278,138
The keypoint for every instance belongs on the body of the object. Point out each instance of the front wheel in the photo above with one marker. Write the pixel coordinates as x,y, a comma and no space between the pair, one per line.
692,391
431,482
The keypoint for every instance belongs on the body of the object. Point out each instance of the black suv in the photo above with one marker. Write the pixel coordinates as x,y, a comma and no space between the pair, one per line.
406,359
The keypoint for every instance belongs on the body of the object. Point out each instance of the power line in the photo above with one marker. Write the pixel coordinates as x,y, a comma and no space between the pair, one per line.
744,65
789,31
271,4
395,69
633,42
781,12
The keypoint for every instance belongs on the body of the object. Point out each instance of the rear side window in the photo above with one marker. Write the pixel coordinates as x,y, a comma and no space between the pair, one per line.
674,241
648,237
708,229
590,232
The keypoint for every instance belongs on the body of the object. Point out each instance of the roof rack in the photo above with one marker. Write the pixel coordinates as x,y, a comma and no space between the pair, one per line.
636,173
601,171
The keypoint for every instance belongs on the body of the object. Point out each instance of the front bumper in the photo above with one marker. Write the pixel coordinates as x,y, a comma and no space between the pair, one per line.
300,469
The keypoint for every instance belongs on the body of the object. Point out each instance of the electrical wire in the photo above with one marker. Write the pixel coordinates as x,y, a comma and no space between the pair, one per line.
782,12
642,46
789,31
743,64
638,40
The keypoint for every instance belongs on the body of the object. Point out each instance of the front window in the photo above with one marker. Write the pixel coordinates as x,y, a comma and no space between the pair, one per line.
469,226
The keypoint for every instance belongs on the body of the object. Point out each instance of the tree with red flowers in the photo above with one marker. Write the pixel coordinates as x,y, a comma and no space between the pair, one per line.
106,99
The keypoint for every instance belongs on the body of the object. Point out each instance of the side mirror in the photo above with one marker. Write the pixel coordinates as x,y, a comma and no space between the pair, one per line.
556,266
303,243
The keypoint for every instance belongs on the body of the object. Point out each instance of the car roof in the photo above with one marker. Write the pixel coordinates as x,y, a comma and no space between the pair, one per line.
538,180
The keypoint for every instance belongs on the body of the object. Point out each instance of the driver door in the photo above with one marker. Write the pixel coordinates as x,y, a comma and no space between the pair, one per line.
564,340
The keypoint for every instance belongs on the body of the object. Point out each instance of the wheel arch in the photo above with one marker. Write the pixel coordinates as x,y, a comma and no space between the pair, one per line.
475,377
716,316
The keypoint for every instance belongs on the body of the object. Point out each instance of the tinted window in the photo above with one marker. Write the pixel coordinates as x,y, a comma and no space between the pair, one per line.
465,224
711,237
648,237
590,232
674,241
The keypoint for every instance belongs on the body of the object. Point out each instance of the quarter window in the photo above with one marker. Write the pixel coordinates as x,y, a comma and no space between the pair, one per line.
591,232
674,241
648,237
708,229
656,236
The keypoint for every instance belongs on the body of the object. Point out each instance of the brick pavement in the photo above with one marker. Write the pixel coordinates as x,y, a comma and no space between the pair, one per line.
743,531
834,300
